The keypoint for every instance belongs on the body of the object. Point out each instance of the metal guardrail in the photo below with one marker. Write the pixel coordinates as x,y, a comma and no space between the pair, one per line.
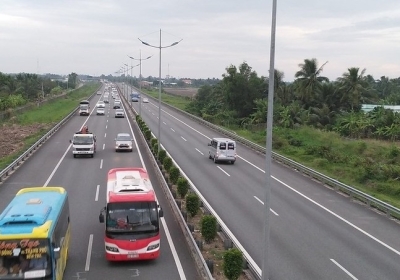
369,200
352,192
6,172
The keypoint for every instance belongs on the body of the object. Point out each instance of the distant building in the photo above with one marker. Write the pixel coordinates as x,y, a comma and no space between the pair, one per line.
369,107
187,82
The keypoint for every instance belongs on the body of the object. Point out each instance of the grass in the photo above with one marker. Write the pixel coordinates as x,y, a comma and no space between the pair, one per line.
176,101
56,110
47,114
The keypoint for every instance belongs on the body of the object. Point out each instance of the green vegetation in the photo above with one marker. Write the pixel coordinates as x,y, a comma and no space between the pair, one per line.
233,263
56,110
46,115
192,204
176,101
317,122
208,228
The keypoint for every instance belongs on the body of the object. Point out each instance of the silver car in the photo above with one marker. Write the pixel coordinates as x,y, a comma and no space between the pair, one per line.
119,113
123,142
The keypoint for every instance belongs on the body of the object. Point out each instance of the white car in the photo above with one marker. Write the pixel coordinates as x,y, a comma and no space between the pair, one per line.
123,142
99,93
101,104
145,100
119,113
100,111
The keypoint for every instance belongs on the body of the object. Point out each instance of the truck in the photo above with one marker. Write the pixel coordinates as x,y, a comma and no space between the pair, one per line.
83,143
84,107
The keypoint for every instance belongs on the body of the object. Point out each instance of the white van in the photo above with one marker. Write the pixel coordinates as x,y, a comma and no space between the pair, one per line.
222,149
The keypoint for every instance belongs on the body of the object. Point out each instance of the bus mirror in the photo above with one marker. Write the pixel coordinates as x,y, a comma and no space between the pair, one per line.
160,213
57,252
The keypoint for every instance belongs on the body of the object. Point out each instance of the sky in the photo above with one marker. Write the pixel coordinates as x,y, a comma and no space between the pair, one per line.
96,37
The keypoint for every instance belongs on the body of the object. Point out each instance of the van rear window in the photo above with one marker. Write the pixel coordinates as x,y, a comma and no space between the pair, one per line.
231,146
222,146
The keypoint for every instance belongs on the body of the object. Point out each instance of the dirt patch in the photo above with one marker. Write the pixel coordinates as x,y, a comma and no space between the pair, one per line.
12,137
188,92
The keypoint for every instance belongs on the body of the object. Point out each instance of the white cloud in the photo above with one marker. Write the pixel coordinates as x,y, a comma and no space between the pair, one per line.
94,37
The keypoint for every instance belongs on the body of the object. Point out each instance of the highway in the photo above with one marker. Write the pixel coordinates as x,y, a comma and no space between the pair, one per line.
85,180
315,232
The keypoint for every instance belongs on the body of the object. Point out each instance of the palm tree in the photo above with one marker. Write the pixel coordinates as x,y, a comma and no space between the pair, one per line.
352,86
309,80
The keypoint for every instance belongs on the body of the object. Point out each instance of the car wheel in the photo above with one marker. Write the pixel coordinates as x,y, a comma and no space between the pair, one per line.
209,156
74,156
233,162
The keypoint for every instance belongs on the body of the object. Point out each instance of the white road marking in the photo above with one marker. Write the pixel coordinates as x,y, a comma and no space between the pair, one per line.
224,171
164,123
172,129
173,250
106,126
200,152
104,145
101,163
262,202
97,193
184,139
340,218
345,270
89,252
105,135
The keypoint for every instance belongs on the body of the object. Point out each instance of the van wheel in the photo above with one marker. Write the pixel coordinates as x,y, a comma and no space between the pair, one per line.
233,162
215,160
209,156
74,156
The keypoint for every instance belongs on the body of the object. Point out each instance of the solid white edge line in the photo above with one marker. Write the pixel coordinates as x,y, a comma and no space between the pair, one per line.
270,209
339,217
56,167
227,174
345,270
97,193
173,250
89,252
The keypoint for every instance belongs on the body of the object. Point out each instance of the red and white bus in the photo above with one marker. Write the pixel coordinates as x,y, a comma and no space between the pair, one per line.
131,215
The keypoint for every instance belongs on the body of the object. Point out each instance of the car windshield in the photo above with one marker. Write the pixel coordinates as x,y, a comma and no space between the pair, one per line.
124,138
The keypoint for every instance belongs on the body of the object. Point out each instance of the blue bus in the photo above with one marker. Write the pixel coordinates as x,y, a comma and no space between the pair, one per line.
35,234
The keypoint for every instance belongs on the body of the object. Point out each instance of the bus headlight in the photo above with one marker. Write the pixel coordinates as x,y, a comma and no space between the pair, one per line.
153,247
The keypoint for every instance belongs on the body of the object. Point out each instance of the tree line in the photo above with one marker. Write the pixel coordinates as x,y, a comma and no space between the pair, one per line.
19,89
240,99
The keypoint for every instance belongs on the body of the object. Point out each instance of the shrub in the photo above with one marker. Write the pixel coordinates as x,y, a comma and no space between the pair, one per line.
233,263
161,155
167,163
155,149
147,134
174,174
183,186
192,204
208,227
153,142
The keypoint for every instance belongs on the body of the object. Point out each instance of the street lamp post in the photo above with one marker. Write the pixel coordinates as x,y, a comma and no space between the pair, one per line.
159,92
140,78
268,153
126,80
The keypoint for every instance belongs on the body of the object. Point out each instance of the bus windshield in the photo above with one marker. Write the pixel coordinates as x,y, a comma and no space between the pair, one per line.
26,258
129,217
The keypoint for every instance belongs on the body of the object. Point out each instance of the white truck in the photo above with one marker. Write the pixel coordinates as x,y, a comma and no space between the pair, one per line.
83,143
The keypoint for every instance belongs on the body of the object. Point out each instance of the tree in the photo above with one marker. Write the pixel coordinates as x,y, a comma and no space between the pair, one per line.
73,80
309,80
352,84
